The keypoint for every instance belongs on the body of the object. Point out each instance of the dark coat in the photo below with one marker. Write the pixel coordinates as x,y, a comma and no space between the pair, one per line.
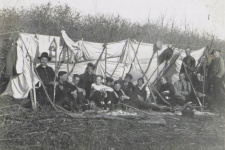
141,92
167,87
128,89
47,74
85,82
11,61
190,62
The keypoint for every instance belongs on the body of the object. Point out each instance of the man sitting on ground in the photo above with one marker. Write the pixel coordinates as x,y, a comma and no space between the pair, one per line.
63,92
109,82
127,85
87,79
167,92
99,93
116,96
142,91
182,90
79,102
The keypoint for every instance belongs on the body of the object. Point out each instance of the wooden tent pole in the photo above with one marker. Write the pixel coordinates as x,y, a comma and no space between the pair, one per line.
105,64
68,69
134,57
104,47
119,59
192,85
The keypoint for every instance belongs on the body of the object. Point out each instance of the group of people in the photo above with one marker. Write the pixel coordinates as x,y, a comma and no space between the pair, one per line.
87,91
202,85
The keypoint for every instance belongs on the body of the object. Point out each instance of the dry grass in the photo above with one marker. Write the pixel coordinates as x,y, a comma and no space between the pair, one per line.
48,129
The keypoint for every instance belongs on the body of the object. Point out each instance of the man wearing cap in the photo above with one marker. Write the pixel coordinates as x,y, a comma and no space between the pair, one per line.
216,75
188,64
87,79
47,76
127,86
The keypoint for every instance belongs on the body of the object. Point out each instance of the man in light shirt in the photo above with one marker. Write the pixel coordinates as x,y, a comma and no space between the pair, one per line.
98,93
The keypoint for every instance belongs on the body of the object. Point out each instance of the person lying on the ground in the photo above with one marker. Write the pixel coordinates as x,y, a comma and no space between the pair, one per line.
63,95
182,90
127,85
167,92
47,76
99,93
142,91
79,101
87,79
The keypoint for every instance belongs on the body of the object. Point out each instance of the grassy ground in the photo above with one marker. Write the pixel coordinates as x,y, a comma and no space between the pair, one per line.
24,129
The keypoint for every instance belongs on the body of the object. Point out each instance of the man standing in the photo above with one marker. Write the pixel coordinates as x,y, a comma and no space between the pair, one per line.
216,75
47,76
87,79
182,90
189,64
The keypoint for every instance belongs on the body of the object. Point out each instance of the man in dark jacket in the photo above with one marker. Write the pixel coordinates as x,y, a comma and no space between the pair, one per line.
216,77
189,64
47,76
142,91
167,92
87,79
127,86
64,89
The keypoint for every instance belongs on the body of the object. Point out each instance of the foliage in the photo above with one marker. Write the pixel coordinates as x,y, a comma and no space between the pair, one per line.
48,19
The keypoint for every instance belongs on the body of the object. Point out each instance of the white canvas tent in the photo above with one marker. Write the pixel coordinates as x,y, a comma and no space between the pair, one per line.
116,60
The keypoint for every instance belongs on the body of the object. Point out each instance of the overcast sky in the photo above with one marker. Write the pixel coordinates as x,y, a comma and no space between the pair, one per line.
208,15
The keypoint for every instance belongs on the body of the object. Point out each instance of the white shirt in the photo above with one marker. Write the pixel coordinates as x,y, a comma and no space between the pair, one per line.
101,87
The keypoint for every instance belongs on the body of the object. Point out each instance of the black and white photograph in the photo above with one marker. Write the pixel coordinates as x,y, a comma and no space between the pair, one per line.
112,74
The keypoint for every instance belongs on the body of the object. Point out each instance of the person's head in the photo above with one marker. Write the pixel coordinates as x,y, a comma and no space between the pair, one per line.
188,51
90,68
199,77
164,79
128,77
62,75
109,81
216,53
76,79
44,58
117,85
182,76
140,81
99,79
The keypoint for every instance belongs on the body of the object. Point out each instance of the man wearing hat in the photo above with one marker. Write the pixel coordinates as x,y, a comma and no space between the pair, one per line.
216,76
127,86
47,76
188,64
